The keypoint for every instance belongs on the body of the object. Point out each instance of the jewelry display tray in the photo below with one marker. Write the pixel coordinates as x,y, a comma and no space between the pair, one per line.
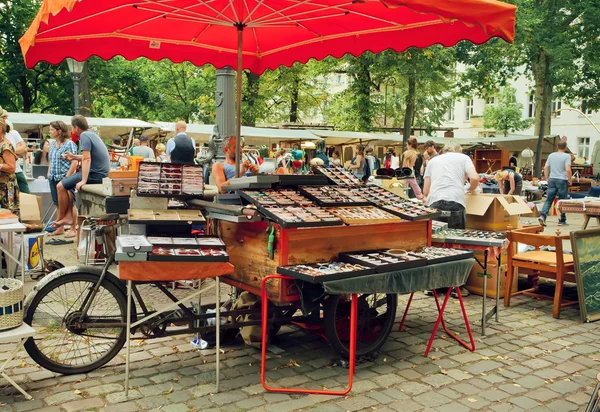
467,254
391,267
287,270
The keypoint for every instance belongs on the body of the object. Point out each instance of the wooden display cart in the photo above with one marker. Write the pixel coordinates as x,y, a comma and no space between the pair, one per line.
248,249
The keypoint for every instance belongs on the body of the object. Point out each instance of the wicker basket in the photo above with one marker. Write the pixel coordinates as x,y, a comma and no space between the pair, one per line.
11,303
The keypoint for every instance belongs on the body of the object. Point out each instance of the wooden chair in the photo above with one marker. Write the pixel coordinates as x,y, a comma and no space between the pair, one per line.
539,263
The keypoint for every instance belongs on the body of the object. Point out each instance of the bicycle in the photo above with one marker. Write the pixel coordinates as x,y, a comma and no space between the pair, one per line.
79,313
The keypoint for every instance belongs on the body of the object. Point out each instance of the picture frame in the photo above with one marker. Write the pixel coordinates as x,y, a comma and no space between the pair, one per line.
585,245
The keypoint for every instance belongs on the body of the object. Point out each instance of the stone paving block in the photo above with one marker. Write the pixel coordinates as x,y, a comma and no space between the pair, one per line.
452,407
561,405
62,397
563,386
494,395
276,397
530,382
250,403
380,397
537,363
475,402
407,405
104,389
121,407
83,404
354,403
438,380
32,405
388,379
395,394
223,398
449,393
512,388
177,407
549,373
523,402
543,394
413,388
119,397
570,367
431,399
482,366
152,402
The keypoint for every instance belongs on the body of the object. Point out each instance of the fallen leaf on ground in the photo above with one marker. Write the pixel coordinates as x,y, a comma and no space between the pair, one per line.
77,392
472,400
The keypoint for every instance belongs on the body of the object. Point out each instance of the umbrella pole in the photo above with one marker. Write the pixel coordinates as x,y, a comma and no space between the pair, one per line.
238,140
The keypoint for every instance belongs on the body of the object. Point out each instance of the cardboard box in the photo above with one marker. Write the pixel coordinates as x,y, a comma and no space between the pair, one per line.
30,207
494,212
475,280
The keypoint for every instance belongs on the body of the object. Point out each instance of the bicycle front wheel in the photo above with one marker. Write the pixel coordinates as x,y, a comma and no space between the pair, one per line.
68,342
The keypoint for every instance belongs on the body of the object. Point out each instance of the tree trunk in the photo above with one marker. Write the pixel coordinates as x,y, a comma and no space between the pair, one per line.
295,94
250,98
543,100
410,110
26,94
85,97
363,93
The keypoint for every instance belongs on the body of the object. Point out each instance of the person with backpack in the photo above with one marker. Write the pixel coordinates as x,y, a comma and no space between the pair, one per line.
371,165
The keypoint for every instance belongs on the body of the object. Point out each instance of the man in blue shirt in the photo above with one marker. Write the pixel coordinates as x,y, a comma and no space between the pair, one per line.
557,172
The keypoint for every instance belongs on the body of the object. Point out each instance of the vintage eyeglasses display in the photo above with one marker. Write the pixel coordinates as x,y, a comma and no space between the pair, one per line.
188,254
439,255
269,197
298,216
470,237
167,179
383,261
363,215
398,206
334,195
338,175
323,272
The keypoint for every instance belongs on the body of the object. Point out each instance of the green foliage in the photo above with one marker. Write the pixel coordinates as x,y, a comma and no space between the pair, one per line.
46,88
505,115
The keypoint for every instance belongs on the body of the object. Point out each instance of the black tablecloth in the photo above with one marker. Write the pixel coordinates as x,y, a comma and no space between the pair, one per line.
422,278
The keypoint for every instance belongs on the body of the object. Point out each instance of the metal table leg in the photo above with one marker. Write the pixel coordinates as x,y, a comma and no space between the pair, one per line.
485,278
499,273
128,341
218,330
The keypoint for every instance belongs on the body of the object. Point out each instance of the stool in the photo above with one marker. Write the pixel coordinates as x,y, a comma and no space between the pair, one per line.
20,334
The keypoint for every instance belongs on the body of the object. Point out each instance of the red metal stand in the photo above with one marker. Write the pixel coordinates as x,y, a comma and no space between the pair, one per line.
440,318
265,327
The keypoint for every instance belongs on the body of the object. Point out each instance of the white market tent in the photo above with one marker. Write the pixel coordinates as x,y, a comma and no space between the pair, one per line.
108,128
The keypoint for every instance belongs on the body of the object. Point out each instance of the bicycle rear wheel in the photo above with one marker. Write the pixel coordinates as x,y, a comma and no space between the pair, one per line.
61,343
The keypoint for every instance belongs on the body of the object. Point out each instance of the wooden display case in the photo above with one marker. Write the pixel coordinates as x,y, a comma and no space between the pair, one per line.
494,159
247,245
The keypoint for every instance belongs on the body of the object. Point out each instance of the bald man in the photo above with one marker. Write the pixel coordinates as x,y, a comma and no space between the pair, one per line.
180,129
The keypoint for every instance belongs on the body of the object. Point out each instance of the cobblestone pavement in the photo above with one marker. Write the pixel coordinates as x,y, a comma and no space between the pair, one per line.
527,361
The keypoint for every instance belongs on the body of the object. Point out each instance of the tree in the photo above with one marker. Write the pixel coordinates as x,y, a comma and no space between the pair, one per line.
46,88
506,115
557,44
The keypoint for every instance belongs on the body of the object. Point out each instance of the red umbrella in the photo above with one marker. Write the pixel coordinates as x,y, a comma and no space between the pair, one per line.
255,34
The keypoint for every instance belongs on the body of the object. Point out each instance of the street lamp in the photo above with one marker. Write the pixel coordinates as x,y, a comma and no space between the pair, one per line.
75,70
572,109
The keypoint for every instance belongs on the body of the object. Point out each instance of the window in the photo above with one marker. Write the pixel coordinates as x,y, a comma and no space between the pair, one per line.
450,113
531,111
469,109
556,105
583,147
490,101
584,108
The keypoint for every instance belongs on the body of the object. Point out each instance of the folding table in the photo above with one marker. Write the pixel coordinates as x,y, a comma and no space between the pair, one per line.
8,249
153,271
20,334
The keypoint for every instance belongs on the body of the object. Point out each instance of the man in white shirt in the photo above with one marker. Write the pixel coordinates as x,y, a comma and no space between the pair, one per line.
444,184
180,129
20,147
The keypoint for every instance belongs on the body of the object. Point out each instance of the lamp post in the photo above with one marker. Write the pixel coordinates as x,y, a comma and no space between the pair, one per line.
75,70
580,112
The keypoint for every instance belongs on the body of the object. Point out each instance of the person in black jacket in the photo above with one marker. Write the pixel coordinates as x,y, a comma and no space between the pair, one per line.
184,147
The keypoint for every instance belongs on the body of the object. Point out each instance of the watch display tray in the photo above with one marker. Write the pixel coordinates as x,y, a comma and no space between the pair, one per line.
334,196
272,197
170,180
302,180
435,255
312,221
173,217
133,243
253,182
381,261
210,242
183,254
408,210
471,237
302,272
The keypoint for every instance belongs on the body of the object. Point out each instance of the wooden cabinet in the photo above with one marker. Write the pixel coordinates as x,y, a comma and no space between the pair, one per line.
491,160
